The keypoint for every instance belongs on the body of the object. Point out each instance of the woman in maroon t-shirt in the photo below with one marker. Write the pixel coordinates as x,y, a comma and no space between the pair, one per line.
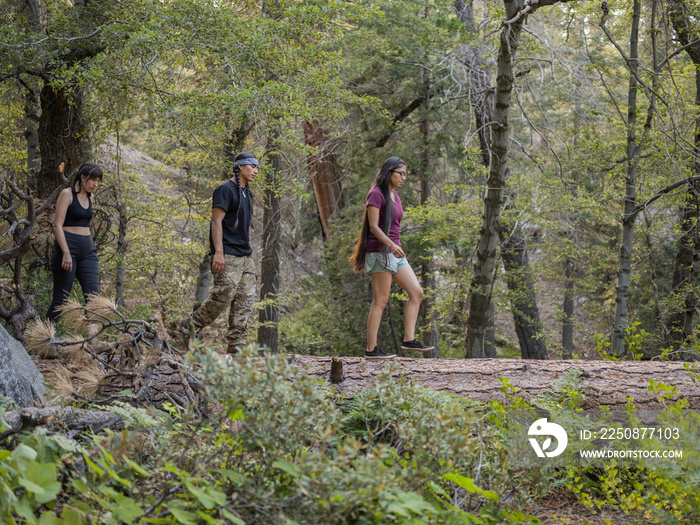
378,252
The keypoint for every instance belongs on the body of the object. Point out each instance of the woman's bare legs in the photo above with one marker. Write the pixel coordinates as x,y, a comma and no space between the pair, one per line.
407,280
381,286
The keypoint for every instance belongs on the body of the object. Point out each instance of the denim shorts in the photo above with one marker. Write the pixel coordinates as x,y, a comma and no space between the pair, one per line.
383,262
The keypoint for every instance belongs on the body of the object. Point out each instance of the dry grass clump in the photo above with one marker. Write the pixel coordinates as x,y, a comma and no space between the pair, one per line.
39,337
78,371
98,305
129,360
73,314
69,381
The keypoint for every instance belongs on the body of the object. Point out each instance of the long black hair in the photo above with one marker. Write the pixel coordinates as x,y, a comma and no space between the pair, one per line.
381,181
236,174
89,171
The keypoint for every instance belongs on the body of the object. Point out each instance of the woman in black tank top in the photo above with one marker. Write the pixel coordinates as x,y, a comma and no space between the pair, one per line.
74,253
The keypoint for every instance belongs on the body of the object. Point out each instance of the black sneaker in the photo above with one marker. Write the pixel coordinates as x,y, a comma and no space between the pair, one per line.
415,346
378,353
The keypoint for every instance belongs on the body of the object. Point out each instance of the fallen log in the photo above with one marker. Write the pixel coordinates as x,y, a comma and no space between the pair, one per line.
68,420
603,383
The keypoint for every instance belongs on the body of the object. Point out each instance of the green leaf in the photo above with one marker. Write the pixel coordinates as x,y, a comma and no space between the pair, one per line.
232,517
468,485
234,477
73,516
49,518
287,467
409,502
205,499
207,518
40,479
24,509
79,486
437,489
181,515
138,468
97,470
23,453
108,491
65,443
126,509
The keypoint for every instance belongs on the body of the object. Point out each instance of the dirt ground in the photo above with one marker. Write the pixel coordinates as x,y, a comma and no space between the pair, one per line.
566,510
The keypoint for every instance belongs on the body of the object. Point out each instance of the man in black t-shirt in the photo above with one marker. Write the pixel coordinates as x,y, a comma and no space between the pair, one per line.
232,264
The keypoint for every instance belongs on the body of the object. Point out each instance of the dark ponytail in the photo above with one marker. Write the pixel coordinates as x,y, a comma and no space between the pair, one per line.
89,171
381,181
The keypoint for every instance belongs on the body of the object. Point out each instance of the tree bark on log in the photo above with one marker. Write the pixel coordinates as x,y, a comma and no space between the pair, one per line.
603,383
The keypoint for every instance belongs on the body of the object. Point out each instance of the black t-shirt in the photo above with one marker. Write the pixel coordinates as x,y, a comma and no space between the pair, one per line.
236,238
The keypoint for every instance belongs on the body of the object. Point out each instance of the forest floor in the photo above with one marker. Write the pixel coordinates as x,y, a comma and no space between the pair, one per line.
563,508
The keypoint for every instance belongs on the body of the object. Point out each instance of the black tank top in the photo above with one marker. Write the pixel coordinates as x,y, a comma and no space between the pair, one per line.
76,215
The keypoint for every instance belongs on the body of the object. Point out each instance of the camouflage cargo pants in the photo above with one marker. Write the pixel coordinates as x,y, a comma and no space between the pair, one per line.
233,288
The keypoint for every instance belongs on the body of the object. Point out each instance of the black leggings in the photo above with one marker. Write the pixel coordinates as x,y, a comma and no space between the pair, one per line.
84,254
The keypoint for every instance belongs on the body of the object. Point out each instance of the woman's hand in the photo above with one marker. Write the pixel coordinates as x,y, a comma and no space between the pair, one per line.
67,262
396,250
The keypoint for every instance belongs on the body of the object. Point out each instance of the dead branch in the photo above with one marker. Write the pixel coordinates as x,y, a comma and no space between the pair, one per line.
130,360
68,420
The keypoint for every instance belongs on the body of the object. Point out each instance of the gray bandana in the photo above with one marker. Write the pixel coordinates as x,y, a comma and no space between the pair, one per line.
245,162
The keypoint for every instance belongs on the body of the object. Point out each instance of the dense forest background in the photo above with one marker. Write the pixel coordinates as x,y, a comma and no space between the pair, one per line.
551,205
552,209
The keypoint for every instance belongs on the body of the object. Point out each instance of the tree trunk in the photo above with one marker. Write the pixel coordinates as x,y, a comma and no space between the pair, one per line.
522,289
481,96
487,246
21,310
680,322
31,135
233,145
428,316
479,79
516,264
36,15
629,216
270,273
567,330
60,135
121,250
323,172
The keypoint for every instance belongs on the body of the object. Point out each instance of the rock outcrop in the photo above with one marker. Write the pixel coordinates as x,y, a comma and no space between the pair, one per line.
20,379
